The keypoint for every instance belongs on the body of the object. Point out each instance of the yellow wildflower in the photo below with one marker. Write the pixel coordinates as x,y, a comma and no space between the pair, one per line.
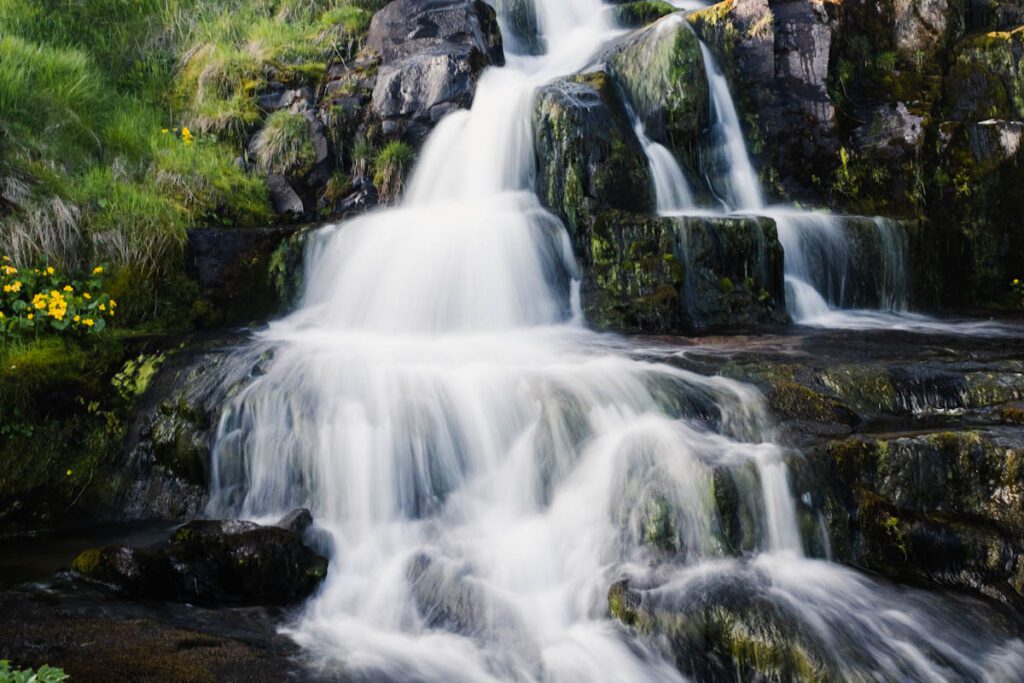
68,288
77,318
1016,281
39,301
68,473
88,322
87,296
2,316
31,316
9,270
16,287
165,131
102,307
97,270
7,288
50,270
113,304
7,258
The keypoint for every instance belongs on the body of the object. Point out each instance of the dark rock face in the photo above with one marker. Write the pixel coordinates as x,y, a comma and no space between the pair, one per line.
942,507
432,52
232,268
588,157
214,562
777,60
677,274
901,487
877,108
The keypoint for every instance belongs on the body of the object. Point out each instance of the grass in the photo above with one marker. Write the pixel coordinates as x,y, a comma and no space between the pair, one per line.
88,86
390,169
283,145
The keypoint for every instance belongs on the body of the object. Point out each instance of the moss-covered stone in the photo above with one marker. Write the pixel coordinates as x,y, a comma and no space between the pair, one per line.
588,158
728,628
941,507
673,274
661,71
642,12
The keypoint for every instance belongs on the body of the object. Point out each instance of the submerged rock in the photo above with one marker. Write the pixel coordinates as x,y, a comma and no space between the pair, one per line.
214,562
676,274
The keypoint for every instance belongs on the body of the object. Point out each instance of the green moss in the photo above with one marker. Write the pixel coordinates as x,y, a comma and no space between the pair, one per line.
87,562
642,12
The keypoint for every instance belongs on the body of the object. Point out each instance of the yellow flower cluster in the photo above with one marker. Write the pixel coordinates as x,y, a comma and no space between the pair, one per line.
42,299
186,134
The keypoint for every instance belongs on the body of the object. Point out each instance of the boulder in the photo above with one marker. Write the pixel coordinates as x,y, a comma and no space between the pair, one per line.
432,53
661,72
776,58
214,563
284,199
660,275
589,159
986,79
727,627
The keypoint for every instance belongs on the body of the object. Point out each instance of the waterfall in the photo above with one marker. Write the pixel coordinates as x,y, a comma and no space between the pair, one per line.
734,181
671,190
482,467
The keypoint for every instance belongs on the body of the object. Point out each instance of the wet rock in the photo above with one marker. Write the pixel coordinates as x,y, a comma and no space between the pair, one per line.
523,31
214,562
673,274
642,12
432,52
977,187
661,72
728,629
776,59
944,508
588,157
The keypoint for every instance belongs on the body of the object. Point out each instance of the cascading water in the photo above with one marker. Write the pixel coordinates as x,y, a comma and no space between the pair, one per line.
841,271
485,467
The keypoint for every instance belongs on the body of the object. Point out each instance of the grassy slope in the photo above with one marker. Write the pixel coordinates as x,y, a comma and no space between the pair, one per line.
94,95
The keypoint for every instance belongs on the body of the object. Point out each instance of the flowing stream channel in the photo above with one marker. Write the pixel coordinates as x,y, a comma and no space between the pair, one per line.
482,467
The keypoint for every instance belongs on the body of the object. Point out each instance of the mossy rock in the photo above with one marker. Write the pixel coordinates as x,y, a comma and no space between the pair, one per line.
589,159
661,71
642,12
652,274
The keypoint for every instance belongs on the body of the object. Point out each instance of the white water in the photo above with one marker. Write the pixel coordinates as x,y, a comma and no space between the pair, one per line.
484,466
825,279
671,189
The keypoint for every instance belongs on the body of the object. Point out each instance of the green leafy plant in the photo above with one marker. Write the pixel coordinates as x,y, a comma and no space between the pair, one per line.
45,674
43,300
